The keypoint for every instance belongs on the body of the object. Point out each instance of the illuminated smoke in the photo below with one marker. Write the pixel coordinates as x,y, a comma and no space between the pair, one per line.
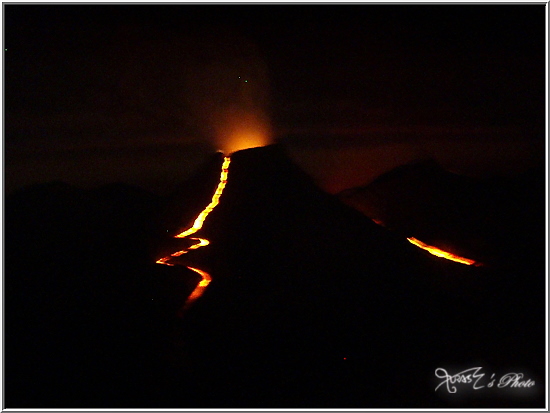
228,93
208,85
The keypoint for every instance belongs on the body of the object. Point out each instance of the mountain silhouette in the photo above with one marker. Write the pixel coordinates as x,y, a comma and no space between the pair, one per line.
490,219
311,303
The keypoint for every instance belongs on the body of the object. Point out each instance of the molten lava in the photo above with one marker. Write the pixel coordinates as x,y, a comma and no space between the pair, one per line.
198,291
443,254
197,225
213,203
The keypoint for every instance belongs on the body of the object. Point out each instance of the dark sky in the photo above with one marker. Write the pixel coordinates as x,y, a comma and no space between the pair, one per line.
85,81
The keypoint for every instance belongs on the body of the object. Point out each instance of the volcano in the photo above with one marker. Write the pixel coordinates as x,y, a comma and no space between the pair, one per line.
311,303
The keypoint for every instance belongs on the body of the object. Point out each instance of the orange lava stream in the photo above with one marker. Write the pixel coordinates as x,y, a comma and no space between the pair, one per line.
443,254
197,225
215,201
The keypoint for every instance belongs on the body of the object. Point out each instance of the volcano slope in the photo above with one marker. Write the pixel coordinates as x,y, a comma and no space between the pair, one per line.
314,305
311,303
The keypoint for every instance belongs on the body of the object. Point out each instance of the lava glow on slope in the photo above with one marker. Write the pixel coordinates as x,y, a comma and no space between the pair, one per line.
197,225
443,254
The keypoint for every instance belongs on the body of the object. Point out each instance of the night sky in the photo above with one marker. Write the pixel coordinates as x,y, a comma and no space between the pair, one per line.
143,94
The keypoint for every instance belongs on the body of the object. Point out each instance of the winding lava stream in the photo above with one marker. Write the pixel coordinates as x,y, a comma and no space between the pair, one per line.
202,242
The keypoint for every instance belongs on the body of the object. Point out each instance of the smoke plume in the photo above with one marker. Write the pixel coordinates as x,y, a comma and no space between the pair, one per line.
210,85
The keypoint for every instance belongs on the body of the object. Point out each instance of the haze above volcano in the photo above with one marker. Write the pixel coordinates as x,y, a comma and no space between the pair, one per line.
93,91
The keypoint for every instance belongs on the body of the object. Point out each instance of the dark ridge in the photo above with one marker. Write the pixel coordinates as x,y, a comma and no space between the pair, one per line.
492,220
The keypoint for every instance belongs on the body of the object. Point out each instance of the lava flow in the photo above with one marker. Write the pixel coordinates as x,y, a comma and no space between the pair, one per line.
197,225
443,254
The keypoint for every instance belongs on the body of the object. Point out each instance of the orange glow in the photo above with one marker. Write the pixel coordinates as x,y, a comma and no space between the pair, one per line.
164,261
205,277
250,139
443,254
243,129
197,225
